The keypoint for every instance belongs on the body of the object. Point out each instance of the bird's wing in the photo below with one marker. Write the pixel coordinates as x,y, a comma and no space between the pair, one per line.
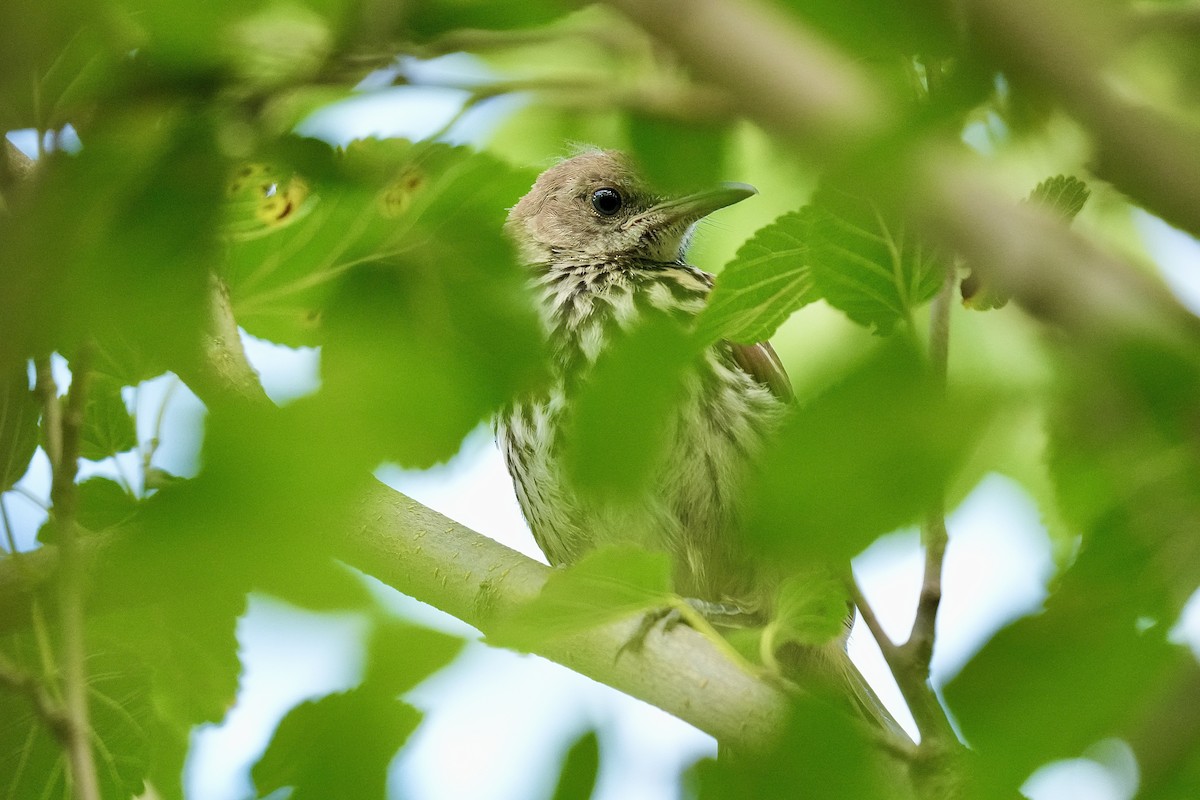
760,362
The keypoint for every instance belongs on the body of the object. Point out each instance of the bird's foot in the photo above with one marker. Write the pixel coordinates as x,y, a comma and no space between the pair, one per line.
699,615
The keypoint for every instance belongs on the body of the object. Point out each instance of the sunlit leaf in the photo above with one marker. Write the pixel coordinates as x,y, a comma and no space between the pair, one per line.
869,266
337,746
605,585
765,283
810,608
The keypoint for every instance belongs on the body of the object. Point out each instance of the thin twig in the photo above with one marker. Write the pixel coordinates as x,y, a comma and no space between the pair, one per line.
64,496
886,645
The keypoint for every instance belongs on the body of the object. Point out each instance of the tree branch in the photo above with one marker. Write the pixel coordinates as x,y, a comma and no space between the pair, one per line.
71,576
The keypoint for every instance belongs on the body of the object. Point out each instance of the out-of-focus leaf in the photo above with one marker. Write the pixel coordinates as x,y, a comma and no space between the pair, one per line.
115,244
1050,685
338,746
107,424
881,31
429,19
821,754
402,655
677,157
765,283
578,777
865,264
618,432
34,763
1064,196
279,44
18,425
869,456
104,503
810,608
605,585
54,61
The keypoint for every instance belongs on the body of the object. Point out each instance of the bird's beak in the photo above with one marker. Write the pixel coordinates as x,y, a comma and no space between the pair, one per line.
692,207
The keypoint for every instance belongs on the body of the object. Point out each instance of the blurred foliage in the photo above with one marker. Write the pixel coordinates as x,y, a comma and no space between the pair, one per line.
389,256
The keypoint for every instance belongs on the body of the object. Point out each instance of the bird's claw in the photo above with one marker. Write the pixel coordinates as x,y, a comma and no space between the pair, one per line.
700,615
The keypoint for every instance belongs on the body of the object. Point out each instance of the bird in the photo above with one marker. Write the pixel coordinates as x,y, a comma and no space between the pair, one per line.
606,252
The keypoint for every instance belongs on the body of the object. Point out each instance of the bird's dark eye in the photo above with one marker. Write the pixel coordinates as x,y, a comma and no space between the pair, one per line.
607,201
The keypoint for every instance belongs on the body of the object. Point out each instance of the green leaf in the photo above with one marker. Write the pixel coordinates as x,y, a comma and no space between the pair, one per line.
339,746
677,157
1052,684
33,762
104,503
763,285
871,455
18,425
636,383
810,608
867,265
429,19
402,655
605,585
820,754
107,424
1064,196
577,780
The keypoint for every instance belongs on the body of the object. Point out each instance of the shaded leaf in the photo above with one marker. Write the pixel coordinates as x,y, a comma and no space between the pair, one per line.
615,438
674,156
865,264
605,585
108,426
104,503
763,285
431,18
869,456
19,414
578,777
337,746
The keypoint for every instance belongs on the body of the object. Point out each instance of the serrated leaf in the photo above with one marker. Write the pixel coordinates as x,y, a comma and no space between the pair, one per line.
33,762
338,746
605,585
577,780
1064,195
865,264
18,426
767,280
107,424
104,503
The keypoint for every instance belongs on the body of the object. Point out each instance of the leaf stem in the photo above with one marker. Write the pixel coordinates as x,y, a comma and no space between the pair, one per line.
63,434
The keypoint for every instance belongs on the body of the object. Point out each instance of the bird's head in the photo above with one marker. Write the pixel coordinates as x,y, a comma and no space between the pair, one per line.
594,206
